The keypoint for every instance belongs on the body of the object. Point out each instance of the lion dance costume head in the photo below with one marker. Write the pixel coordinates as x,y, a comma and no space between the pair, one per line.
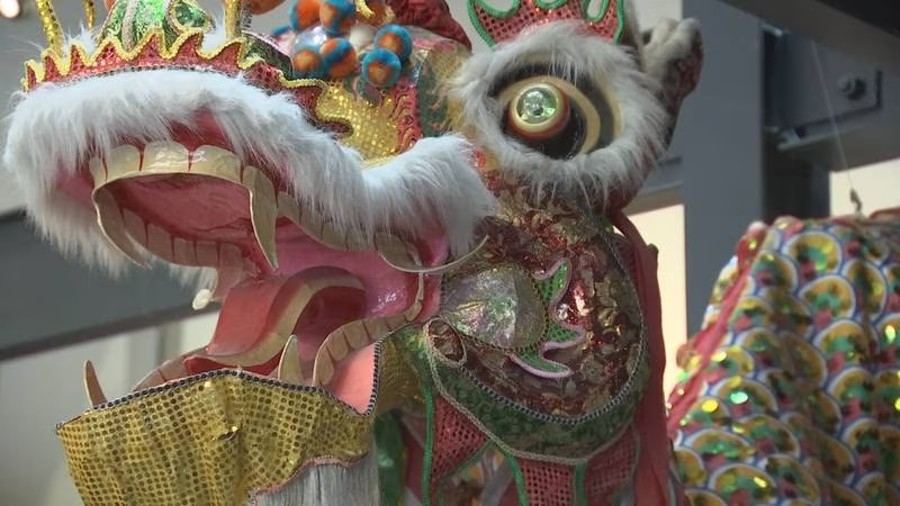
429,292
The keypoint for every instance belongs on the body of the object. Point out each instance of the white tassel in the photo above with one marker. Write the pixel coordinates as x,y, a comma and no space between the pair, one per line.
330,485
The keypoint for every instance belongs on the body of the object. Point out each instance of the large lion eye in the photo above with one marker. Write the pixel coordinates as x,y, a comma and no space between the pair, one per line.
555,117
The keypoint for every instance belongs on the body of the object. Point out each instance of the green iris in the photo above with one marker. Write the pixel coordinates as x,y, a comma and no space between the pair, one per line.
537,106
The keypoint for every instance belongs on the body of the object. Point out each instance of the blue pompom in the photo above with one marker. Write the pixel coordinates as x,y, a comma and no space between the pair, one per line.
395,39
381,67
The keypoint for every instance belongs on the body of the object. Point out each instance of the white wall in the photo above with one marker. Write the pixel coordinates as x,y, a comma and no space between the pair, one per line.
39,391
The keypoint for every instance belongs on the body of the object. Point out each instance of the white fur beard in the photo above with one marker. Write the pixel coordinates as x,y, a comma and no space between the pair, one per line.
330,485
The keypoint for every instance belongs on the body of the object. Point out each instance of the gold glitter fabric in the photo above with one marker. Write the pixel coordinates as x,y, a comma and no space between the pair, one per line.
388,122
50,24
218,437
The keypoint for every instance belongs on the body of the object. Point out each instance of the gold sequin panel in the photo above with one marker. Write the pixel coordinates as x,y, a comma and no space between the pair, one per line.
214,439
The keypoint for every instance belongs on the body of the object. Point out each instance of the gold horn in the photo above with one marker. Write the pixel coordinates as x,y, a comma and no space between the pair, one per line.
50,23
237,15
89,13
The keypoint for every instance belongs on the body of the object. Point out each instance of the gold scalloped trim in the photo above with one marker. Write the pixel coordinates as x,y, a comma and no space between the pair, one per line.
171,52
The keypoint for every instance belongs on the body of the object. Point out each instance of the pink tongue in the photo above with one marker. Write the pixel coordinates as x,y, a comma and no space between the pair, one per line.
243,321
251,310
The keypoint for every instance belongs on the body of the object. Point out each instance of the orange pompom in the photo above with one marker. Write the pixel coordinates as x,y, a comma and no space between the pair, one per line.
305,14
307,61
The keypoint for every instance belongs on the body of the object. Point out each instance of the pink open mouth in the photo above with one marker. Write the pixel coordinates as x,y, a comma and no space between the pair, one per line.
303,300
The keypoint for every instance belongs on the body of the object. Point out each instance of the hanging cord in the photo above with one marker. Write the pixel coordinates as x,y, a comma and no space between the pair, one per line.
854,195
246,16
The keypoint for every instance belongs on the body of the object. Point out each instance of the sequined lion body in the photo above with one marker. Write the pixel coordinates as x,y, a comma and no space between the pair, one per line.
430,294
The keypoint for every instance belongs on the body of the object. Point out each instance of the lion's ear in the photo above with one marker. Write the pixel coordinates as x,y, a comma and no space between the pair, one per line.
672,54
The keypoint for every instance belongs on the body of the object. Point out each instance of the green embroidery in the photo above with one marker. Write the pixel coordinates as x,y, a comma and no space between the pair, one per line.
499,13
391,458
601,12
580,497
533,433
428,456
174,20
518,477
546,5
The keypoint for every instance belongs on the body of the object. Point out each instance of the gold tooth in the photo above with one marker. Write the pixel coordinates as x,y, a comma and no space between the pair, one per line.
160,242
135,226
331,237
360,333
151,379
397,253
207,253
184,252
318,229
122,161
351,337
230,256
312,224
98,171
165,158
323,370
112,223
354,241
289,208
94,392
413,311
337,346
263,211
356,335
218,162
289,369
226,278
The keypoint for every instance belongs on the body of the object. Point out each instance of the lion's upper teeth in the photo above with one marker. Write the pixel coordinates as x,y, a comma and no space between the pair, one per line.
289,369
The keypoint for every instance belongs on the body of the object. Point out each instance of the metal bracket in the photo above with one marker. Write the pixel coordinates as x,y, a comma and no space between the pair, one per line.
815,94
868,30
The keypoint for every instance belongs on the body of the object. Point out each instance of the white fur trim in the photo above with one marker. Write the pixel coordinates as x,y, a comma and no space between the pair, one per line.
56,128
569,51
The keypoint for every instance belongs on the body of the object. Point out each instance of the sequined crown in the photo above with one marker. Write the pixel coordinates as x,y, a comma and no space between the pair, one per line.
496,24
145,34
